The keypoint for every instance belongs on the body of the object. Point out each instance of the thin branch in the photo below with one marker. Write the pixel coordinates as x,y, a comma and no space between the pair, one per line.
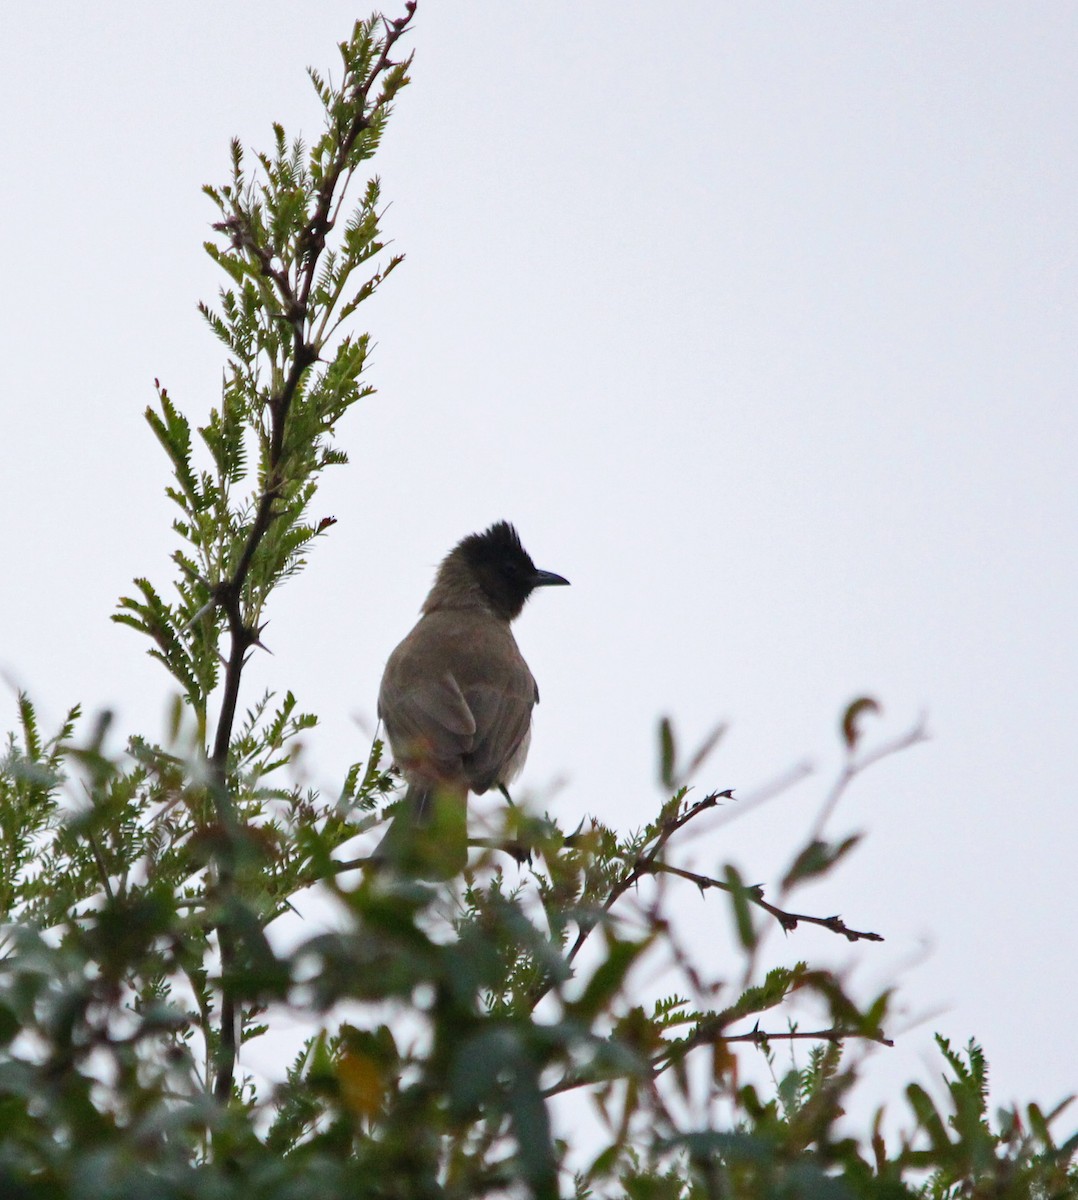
649,864
639,868
102,871
853,768
313,238
836,1035
759,1037
764,795
712,1033
754,894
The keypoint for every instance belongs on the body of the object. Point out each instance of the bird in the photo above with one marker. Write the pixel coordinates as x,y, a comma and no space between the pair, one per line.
456,699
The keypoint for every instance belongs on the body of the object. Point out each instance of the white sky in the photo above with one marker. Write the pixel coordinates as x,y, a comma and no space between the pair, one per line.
758,320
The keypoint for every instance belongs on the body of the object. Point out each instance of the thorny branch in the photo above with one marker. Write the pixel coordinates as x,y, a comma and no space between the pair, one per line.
835,1034
229,592
646,863
754,893
713,1032
651,864
704,1037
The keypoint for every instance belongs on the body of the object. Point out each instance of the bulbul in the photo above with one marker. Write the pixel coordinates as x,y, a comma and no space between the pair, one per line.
456,698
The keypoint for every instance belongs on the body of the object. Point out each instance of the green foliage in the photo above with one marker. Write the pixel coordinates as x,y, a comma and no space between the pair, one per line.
467,1020
448,1025
291,257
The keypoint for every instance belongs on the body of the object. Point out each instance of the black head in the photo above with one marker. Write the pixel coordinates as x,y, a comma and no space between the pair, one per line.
503,568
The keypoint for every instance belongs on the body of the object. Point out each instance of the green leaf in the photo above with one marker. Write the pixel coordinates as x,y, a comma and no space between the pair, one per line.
778,983
817,858
740,903
928,1117
667,754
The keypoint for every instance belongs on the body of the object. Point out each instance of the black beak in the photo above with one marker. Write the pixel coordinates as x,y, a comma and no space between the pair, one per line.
548,579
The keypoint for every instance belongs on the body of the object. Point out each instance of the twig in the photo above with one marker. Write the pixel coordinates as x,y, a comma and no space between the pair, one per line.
759,1037
817,1035
853,768
765,794
713,1033
754,894
648,864
638,869
643,865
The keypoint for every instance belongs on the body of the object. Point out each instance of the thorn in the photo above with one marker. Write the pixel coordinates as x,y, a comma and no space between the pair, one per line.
522,854
571,838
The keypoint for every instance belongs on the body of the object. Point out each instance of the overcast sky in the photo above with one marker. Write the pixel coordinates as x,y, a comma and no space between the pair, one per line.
758,320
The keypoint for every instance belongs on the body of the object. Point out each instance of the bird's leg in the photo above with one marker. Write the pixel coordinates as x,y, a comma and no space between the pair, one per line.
521,853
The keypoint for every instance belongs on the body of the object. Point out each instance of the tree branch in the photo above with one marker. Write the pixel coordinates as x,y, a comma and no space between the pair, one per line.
755,895
644,864
229,593
836,1035
853,768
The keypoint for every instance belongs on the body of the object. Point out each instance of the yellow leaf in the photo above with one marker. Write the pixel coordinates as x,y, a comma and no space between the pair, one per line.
360,1078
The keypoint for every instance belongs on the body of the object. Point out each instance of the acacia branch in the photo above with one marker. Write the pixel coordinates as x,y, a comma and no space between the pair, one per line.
313,238
229,593
712,1033
758,1037
835,1034
754,893
649,863
645,863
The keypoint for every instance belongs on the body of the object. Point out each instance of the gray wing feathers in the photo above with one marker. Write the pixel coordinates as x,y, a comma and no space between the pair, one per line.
431,721
467,722
504,719
442,702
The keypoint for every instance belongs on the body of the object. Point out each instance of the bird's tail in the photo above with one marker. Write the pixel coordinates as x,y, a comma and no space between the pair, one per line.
427,836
